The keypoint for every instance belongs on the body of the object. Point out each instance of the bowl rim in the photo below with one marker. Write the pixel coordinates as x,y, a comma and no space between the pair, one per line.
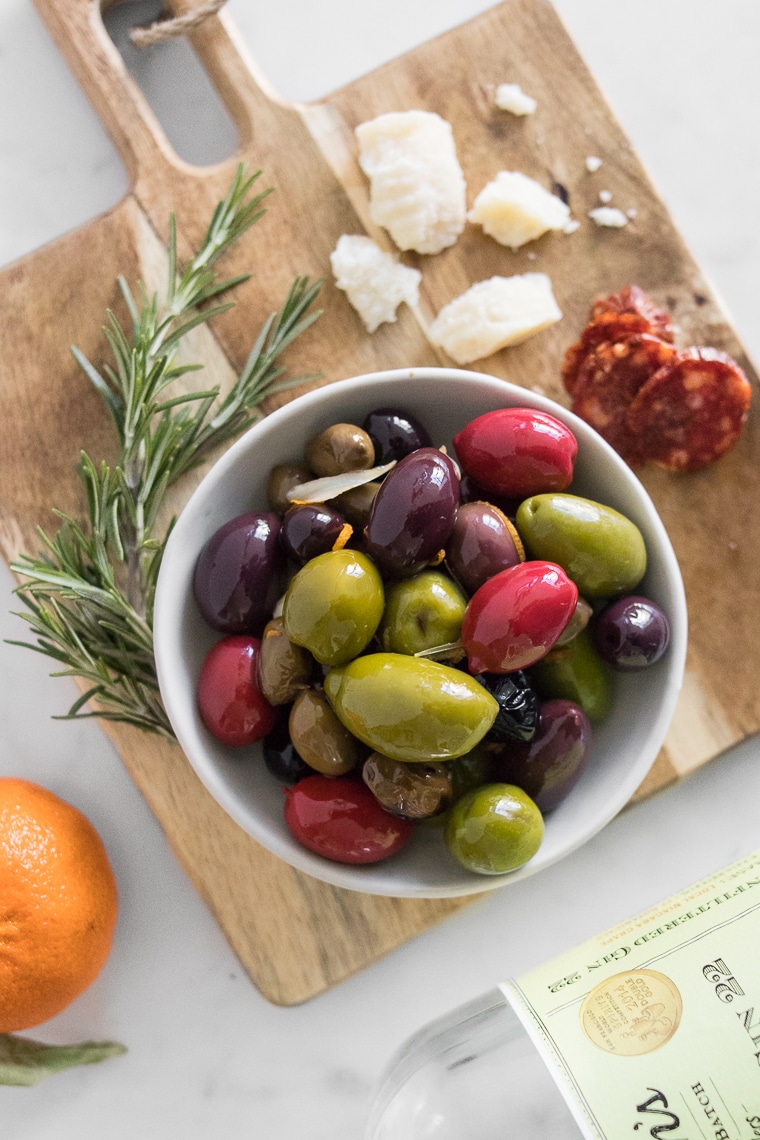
167,625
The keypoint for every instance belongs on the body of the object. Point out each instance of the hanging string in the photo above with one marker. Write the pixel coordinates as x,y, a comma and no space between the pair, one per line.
169,29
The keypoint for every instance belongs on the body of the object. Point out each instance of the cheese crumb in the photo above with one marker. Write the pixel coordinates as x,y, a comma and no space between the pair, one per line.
514,209
632,213
571,226
608,216
593,164
510,97
493,314
417,189
605,196
373,281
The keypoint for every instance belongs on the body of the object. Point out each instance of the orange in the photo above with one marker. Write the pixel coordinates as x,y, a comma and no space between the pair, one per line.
58,904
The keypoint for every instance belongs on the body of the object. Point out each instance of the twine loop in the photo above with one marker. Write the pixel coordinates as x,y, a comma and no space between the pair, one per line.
168,29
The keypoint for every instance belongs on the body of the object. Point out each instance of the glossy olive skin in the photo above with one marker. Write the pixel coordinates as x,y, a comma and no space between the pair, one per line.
341,820
395,433
409,708
494,829
280,756
285,669
517,452
319,738
482,542
549,766
575,672
601,550
356,504
412,791
230,702
283,478
422,612
333,606
515,617
413,513
339,448
311,529
518,706
238,575
631,633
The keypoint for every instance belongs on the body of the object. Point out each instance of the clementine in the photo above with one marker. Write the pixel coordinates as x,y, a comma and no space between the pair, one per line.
58,904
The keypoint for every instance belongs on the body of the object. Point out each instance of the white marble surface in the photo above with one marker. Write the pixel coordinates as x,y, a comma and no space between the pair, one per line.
208,1056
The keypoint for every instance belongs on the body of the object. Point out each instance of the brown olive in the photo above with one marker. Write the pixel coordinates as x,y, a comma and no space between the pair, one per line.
342,447
285,669
356,504
319,737
413,791
282,479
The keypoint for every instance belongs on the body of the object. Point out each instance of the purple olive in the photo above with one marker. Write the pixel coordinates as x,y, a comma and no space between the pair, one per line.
548,766
237,576
482,542
311,529
631,633
413,513
394,433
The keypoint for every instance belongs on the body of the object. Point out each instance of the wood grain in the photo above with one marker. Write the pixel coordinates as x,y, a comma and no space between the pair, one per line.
294,935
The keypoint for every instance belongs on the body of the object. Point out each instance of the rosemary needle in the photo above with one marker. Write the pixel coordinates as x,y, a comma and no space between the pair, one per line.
89,593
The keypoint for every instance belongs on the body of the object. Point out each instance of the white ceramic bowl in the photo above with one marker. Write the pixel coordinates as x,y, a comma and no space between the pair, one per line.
625,745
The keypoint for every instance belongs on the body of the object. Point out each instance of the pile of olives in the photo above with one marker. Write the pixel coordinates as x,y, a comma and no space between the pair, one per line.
415,639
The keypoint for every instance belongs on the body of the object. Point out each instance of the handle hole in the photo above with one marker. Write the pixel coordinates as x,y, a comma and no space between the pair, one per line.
176,85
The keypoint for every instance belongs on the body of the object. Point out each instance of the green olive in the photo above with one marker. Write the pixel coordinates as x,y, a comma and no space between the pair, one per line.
409,708
576,672
600,549
422,612
494,829
334,605
339,448
283,478
285,669
319,738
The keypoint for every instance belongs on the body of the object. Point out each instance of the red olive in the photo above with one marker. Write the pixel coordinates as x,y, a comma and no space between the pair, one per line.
231,704
514,619
341,820
514,451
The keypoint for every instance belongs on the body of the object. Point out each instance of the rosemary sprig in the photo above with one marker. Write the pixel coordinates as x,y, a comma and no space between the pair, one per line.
89,594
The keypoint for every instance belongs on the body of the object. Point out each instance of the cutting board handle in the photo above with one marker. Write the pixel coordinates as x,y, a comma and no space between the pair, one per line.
78,29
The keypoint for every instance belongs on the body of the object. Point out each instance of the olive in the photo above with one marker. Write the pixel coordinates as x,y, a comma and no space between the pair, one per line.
470,491
283,478
413,513
280,756
517,452
413,791
341,820
285,669
549,766
394,434
482,542
409,708
601,550
311,529
494,829
333,605
516,616
581,617
631,633
355,505
576,672
472,769
518,706
421,613
339,448
238,575
230,702
319,738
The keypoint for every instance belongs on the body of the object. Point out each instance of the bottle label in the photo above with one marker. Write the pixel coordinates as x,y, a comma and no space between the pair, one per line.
652,1029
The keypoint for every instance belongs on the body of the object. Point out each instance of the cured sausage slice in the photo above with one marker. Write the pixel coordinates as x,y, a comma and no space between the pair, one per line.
632,299
608,380
607,326
691,411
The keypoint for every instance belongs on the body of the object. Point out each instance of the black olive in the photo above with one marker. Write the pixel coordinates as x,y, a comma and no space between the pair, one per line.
517,717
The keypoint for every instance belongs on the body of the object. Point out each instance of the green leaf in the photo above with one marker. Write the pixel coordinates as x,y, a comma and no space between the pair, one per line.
27,1062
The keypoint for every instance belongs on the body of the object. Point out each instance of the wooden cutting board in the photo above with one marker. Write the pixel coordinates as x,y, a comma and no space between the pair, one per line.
296,936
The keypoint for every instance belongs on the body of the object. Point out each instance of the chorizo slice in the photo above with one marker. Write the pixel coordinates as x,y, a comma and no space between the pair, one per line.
632,299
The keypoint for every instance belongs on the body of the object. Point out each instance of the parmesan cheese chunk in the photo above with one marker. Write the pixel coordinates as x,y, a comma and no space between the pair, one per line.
493,314
417,189
510,97
373,281
514,209
608,216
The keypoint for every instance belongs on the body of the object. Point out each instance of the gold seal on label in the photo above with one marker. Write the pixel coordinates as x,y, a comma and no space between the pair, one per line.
632,1013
